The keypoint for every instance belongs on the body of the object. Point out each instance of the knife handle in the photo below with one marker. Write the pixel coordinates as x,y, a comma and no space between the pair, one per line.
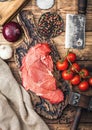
77,119
82,6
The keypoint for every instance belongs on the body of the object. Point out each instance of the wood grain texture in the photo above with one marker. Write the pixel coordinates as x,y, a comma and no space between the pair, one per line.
84,56
8,8
67,127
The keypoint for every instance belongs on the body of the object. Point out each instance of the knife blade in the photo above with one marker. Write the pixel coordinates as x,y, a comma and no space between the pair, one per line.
75,27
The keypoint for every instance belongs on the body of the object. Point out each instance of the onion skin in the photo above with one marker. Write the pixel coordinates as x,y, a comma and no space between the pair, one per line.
12,31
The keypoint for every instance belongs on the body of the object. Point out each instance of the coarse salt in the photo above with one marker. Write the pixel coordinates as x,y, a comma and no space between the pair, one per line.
45,4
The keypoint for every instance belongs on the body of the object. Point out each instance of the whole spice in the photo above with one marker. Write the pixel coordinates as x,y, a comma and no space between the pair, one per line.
50,25
5,52
45,4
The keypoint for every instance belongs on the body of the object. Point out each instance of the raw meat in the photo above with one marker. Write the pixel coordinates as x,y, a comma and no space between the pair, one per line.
37,67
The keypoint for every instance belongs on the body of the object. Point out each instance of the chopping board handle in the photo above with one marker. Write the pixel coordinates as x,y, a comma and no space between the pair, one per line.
77,119
82,6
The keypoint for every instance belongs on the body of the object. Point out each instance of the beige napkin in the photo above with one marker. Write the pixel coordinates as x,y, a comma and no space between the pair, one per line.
16,111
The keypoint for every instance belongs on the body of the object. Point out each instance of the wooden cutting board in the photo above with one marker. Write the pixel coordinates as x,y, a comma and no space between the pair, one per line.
8,9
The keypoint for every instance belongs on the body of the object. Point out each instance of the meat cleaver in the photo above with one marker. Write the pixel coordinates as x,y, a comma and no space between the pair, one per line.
75,27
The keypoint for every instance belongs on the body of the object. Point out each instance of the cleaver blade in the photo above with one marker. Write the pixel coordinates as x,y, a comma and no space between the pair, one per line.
75,27
75,31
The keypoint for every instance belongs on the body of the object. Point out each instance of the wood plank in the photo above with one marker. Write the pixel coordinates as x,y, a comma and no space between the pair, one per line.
60,40
86,117
83,64
67,127
83,54
87,65
63,8
15,71
8,8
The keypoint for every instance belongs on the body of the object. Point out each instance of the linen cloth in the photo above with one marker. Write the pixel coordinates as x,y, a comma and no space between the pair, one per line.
16,111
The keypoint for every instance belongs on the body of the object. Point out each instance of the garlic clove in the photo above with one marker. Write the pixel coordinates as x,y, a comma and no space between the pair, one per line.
5,52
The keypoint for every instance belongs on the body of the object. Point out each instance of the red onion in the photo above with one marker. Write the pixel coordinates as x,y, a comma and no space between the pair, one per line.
11,31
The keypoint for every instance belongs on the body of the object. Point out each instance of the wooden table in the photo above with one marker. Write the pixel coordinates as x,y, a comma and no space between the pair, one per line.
84,56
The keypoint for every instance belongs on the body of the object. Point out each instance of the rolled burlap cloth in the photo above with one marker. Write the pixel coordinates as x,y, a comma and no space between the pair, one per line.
16,111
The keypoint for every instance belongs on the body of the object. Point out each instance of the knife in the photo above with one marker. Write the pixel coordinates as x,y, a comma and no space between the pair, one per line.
75,27
80,101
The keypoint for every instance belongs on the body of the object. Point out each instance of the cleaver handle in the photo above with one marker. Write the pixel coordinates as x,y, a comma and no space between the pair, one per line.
82,6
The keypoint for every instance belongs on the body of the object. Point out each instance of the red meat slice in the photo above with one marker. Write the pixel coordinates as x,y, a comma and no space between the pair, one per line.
37,67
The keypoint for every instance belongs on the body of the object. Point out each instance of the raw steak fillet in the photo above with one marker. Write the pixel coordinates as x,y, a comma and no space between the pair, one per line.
37,67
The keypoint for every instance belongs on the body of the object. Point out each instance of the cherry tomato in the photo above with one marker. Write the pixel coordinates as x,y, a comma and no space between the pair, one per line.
67,74
84,73
75,67
90,81
75,80
71,57
83,86
62,65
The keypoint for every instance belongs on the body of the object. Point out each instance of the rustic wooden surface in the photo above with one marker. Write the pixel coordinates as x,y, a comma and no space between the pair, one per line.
9,8
84,57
